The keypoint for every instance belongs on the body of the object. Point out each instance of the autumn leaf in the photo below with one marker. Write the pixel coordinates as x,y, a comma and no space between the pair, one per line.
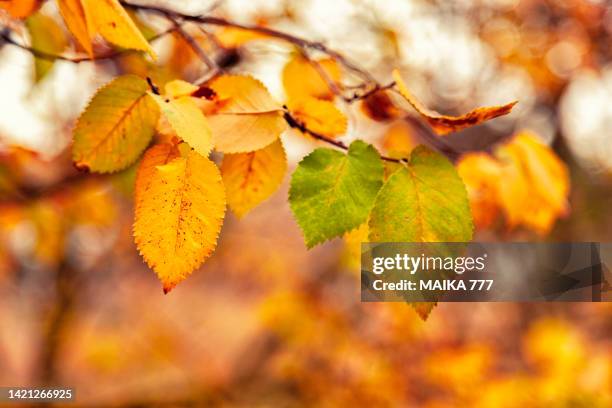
20,9
87,18
251,178
301,79
537,183
443,124
178,88
242,115
74,16
48,37
332,192
180,206
116,126
187,120
425,201
319,116
524,180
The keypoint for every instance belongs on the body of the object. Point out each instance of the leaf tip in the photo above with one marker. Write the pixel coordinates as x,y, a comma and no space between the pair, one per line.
167,287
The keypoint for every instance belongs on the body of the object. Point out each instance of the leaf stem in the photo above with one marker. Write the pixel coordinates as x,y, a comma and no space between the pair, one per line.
296,124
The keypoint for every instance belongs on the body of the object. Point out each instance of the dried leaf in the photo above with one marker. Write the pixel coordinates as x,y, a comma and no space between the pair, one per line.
444,124
379,107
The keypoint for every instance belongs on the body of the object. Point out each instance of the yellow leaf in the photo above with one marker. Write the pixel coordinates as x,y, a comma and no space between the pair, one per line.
243,116
186,119
301,78
320,116
525,180
178,88
109,19
251,178
20,8
74,16
536,184
116,126
444,124
180,206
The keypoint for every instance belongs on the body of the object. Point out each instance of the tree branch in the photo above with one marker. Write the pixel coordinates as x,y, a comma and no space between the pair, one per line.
296,124
297,41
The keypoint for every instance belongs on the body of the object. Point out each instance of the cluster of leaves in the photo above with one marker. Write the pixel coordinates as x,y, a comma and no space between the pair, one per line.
413,195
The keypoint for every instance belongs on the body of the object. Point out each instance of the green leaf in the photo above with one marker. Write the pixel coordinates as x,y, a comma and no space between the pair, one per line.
332,192
116,127
425,201
45,36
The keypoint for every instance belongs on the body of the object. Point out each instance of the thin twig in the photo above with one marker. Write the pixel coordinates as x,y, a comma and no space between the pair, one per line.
300,42
377,88
296,124
193,44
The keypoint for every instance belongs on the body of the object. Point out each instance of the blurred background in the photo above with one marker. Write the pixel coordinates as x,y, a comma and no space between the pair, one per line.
265,322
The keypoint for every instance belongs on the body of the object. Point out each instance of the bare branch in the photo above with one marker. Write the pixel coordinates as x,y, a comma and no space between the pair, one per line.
297,41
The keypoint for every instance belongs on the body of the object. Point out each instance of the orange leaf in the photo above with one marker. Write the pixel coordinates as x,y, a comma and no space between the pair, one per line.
524,180
74,16
253,177
302,79
443,124
180,206
20,8
243,116
320,116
